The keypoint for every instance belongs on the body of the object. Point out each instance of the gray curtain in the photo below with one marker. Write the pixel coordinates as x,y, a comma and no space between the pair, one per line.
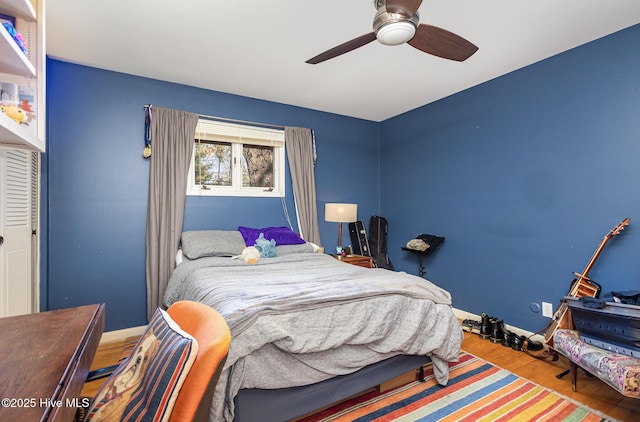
172,135
299,147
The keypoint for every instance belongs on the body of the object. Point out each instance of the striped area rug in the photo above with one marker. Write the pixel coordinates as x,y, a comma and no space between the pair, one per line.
477,391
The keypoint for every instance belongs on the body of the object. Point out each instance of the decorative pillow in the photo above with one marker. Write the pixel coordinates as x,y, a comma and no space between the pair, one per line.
293,249
249,235
200,243
267,248
145,386
282,235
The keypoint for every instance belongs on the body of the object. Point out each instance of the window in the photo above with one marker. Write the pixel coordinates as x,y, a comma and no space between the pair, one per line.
231,159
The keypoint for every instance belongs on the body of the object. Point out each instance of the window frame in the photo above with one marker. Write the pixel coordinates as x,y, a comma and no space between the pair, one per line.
239,135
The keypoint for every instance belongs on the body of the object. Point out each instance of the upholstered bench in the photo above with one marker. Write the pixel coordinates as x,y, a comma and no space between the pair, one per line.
621,372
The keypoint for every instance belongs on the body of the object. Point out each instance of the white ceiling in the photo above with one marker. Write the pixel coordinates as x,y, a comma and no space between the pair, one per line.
258,48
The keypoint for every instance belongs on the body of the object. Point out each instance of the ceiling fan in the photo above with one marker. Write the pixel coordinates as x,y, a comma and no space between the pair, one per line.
397,22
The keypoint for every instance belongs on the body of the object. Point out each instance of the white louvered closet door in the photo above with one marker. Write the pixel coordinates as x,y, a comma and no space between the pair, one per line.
16,265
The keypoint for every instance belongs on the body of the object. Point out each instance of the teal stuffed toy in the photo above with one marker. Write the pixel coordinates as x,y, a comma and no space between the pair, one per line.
266,247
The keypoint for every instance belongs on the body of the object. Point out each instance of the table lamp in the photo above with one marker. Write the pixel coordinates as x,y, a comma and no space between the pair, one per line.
340,213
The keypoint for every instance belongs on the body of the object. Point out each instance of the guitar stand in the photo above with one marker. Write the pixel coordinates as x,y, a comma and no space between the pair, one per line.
554,358
563,373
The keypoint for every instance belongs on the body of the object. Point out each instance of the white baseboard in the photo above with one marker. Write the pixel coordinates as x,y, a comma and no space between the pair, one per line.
117,335
519,331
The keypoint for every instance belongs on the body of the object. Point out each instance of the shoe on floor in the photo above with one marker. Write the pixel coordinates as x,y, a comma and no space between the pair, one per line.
497,329
486,326
471,326
534,345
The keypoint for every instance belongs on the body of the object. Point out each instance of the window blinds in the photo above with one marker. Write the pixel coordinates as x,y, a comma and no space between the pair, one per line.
211,130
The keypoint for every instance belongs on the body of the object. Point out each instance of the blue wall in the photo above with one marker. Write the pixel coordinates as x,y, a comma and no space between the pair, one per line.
94,200
524,176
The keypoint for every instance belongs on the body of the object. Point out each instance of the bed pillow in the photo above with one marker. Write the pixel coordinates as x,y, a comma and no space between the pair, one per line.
146,385
250,235
282,235
200,243
293,249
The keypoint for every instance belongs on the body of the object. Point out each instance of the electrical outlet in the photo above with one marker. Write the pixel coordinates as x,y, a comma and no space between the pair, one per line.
547,310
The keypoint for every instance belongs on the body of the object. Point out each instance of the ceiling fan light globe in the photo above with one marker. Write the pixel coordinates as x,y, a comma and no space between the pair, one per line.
395,33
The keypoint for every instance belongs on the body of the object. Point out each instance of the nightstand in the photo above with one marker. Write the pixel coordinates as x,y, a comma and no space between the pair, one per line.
359,260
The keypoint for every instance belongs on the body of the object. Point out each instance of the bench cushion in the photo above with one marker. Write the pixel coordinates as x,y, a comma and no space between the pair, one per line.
619,371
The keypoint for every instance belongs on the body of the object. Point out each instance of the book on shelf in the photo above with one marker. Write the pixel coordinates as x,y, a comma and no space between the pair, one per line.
7,18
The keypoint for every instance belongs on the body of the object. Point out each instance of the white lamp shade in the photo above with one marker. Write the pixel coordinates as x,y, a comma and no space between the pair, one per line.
341,213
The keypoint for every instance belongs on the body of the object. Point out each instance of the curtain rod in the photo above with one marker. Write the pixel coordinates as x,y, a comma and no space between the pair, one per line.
228,120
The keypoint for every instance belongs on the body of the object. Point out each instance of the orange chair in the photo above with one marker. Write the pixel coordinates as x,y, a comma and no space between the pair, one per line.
146,381
213,336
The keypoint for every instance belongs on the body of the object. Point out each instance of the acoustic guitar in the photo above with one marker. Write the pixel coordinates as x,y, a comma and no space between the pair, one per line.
581,286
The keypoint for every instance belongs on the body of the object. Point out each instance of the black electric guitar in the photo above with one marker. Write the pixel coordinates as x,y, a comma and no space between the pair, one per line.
581,286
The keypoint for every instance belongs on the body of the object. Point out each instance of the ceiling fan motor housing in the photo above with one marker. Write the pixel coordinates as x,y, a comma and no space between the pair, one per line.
393,28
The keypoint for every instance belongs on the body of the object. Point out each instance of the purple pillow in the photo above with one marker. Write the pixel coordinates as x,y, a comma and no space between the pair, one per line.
250,235
282,235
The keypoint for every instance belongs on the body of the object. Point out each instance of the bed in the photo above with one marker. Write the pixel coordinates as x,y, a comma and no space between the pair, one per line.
304,324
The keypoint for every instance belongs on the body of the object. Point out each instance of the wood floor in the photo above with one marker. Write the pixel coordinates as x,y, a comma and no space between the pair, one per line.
107,354
591,391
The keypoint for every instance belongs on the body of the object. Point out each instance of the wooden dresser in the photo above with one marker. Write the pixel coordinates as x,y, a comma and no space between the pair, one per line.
44,361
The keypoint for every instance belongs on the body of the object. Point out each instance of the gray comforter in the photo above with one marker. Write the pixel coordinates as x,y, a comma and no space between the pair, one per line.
302,318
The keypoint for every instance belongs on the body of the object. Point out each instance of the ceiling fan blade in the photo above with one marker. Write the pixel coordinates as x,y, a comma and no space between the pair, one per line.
343,48
442,43
404,7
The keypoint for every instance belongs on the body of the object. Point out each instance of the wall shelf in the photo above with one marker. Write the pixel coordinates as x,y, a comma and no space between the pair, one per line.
14,61
14,135
24,70
22,9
